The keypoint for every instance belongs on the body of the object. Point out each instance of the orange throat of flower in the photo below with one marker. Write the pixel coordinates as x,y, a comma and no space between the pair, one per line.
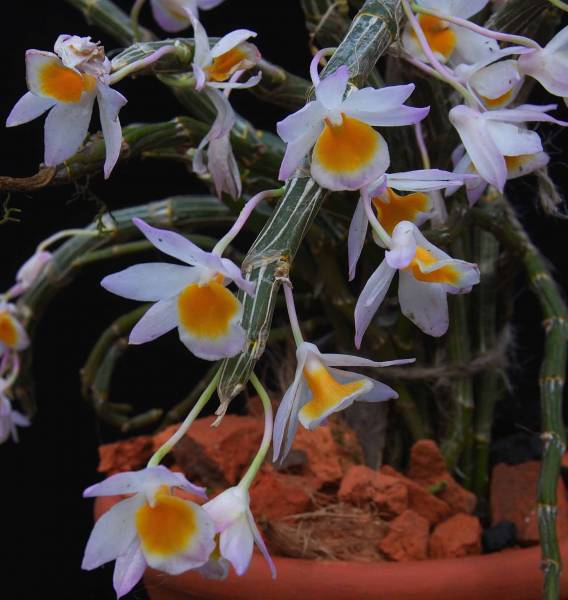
327,392
64,84
439,36
347,147
400,208
424,258
168,527
207,310
8,330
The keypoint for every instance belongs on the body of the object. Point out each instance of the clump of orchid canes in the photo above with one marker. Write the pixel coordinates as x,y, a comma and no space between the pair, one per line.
353,154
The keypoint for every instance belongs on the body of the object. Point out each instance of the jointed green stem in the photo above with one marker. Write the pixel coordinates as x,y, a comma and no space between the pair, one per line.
502,221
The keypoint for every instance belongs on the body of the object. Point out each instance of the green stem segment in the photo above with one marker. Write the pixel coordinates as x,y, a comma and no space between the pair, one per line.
487,254
182,429
372,31
503,222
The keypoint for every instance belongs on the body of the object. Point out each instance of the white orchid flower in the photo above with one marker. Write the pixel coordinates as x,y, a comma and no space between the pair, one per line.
449,42
319,390
9,418
491,136
427,275
231,513
549,65
517,166
66,83
192,298
153,527
13,336
215,69
173,15
392,208
348,153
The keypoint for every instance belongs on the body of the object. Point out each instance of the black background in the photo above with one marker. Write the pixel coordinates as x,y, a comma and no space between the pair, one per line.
44,522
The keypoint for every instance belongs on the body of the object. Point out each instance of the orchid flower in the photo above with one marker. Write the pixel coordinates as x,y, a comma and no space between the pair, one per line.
348,153
153,527
173,15
549,65
231,513
427,275
491,136
319,390
494,81
9,418
192,298
13,336
392,208
449,42
517,166
218,68
66,83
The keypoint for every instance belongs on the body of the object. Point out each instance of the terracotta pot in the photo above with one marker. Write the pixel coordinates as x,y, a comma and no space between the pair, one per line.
508,575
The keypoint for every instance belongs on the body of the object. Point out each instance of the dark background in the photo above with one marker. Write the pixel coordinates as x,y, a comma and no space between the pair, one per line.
45,522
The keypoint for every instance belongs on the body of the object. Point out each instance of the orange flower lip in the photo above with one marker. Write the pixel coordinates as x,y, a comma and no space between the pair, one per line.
8,331
347,147
207,310
64,84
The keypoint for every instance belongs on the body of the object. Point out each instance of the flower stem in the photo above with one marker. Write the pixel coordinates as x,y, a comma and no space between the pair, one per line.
61,235
374,222
134,16
293,316
245,213
255,465
495,35
444,72
182,429
141,64
559,4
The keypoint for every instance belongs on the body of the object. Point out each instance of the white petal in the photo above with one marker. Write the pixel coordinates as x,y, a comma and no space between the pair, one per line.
497,79
227,507
296,125
348,360
371,298
512,140
128,569
231,40
330,90
110,103
286,420
112,534
383,107
219,347
150,282
462,8
159,319
169,14
65,129
177,245
201,53
297,150
425,304
27,108
479,144
356,238
472,47
260,543
423,180
223,167
236,544
403,245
